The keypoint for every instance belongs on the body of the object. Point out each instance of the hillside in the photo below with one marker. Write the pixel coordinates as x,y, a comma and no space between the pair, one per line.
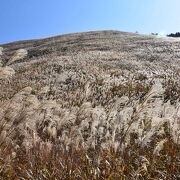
104,89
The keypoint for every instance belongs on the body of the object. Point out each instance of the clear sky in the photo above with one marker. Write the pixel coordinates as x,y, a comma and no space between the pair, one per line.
27,19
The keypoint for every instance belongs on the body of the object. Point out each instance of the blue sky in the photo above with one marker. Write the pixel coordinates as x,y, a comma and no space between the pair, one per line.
27,19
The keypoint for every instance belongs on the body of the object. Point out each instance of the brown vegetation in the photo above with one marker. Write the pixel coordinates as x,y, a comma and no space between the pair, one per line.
97,105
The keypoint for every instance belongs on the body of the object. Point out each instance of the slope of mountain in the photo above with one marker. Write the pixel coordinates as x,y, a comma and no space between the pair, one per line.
105,88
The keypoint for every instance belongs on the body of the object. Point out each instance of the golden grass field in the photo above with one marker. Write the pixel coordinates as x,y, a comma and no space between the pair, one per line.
95,105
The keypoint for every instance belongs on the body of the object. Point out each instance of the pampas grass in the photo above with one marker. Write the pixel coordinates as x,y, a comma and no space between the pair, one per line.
90,109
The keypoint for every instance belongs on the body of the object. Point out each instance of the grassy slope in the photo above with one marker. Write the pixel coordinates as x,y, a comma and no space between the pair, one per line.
106,102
